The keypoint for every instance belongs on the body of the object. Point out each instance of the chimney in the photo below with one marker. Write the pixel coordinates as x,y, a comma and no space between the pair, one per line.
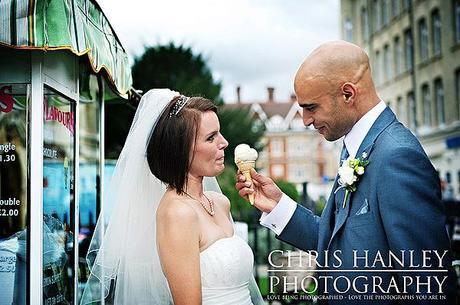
271,93
238,95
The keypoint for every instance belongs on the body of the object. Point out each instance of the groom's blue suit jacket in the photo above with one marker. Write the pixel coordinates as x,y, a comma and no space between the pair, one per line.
396,208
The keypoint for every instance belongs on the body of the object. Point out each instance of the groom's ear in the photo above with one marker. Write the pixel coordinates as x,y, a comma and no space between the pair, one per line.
349,92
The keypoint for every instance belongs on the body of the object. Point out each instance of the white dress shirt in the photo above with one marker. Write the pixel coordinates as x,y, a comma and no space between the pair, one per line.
279,217
358,132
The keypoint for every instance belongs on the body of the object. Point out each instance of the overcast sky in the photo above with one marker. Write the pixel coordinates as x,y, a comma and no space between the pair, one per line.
251,43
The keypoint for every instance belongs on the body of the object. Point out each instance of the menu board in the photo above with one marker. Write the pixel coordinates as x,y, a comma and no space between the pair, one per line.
14,99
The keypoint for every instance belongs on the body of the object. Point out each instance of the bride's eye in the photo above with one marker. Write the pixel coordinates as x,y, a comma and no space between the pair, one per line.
211,138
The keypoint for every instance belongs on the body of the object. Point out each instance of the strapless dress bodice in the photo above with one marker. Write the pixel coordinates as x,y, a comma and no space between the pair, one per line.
226,269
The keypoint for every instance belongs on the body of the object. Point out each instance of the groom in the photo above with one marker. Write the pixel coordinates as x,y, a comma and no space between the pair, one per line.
381,238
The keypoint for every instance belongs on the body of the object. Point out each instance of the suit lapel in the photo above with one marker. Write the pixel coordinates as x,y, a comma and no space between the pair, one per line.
385,118
382,122
343,212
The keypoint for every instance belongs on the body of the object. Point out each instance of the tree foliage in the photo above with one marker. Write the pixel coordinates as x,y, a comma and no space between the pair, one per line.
289,189
118,119
162,66
177,68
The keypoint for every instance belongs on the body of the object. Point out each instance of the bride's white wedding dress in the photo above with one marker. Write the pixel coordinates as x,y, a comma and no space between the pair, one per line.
226,270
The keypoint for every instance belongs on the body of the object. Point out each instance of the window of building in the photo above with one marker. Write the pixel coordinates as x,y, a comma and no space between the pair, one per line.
439,101
387,63
398,56
401,110
426,103
277,170
321,169
395,8
276,147
296,146
364,24
458,179
448,177
457,21
89,168
377,16
436,30
407,4
298,173
385,12
457,85
423,39
412,111
348,29
58,198
408,50
447,189
382,68
14,206
377,71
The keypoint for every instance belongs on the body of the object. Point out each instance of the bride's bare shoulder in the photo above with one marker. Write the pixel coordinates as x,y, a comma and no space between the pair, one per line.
220,199
177,223
173,209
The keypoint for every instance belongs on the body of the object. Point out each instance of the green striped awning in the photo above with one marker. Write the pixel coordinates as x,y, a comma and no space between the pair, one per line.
76,25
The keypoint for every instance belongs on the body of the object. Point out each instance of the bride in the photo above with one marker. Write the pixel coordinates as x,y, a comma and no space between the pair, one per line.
170,239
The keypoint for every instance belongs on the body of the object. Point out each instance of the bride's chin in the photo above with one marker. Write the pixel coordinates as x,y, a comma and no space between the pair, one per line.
215,172
220,169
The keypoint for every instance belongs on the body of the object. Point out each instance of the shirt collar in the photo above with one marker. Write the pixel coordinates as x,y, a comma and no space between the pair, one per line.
358,132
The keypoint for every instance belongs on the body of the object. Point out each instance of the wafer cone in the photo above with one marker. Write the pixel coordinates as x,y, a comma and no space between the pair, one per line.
245,169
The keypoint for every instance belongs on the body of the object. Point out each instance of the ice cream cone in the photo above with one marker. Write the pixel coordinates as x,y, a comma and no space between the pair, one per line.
245,168
245,159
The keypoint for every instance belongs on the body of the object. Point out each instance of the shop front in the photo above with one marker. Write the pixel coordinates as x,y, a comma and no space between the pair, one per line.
60,62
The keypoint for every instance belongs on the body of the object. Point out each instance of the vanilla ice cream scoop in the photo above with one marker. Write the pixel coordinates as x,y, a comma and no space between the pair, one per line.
245,159
244,153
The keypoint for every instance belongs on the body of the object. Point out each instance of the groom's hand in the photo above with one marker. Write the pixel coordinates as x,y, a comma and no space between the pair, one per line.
266,193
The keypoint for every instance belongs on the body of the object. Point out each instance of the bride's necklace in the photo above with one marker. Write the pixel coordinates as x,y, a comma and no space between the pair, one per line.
209,210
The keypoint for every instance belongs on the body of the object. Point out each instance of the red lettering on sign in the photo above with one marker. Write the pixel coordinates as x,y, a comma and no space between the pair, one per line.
54,114
6,100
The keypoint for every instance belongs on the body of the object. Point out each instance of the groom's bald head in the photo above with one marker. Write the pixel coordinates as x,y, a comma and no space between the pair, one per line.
336,79
332,63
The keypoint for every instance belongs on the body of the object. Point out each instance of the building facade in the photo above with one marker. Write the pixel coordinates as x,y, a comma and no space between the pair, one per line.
414,48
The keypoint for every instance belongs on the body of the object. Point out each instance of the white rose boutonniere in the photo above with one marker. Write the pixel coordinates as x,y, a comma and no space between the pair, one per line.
349,173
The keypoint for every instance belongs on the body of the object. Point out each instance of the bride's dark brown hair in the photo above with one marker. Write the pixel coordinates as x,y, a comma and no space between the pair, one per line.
172,139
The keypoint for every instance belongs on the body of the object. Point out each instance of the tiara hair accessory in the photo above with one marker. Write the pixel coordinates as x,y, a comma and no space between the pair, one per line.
180,103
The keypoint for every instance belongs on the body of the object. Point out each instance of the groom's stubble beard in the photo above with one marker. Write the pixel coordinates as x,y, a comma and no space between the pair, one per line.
339,123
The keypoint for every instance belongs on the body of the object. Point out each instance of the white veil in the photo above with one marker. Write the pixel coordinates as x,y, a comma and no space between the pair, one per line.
124,262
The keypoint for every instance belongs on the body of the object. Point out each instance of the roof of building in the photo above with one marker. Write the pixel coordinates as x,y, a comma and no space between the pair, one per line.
269,108
272,109
237,106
